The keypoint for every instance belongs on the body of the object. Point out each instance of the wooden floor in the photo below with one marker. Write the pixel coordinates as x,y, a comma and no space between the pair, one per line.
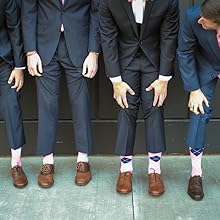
99,200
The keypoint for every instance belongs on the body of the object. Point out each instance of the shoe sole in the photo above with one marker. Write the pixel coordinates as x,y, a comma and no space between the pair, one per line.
197,198
82,184
155,194
123,192
20,186
45,186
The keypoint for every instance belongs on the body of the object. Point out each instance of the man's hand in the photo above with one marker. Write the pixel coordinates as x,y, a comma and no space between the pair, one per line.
196,99
160,91
120,90
34,65
90,65
17,77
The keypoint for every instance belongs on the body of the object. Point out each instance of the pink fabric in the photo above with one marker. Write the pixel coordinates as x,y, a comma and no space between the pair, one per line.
218,39
196,164
16,157
62,1
154,167
48,159
126,167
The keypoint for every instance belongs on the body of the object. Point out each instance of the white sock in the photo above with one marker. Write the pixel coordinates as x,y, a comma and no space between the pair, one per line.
126,164
82,157
16,157
48,159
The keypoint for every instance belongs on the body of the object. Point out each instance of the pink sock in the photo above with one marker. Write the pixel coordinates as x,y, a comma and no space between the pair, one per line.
16,157
154,163
82,157
196,159
48,159
126,164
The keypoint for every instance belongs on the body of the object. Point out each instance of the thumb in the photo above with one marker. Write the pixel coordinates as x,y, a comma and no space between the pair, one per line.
40,66
10,80
149,88
84,68
206,102
130,90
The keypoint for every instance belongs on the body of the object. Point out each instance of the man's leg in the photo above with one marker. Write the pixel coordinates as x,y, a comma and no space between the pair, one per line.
196,140
126,128
48,97
10,108
154,133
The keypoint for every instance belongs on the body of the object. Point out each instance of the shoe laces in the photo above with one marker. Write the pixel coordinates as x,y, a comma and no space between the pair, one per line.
46,169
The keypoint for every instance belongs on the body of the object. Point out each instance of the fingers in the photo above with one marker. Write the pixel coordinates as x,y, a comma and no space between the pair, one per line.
89,71
120,103
131,91
156,97
40,68
35,65
149,88
206,101
124,100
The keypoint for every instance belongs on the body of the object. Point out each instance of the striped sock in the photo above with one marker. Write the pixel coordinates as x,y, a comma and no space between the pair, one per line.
154,163
126,164
196,159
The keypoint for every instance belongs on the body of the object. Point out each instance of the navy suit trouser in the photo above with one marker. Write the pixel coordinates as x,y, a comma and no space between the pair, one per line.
198,123
48,91
10,108
139,74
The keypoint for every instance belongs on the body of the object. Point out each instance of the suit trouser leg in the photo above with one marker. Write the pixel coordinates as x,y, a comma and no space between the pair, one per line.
153,116
79,99
48,97
197,128
126,127
10,108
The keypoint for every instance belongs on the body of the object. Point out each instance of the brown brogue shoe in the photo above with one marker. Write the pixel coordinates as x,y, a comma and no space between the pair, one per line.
19,177
156,186
46,176
124,183
195,188
83,174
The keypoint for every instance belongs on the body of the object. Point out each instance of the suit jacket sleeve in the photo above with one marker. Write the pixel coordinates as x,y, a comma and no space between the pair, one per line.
109,33
29,24
12,15
186,56
168,41
94,36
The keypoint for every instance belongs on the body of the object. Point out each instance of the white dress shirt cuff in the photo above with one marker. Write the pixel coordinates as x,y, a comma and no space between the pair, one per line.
20,68
165,78
116,79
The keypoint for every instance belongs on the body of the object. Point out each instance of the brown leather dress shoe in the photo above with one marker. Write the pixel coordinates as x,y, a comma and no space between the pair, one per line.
195,189
19,177
83,174
124,183
156,187
46,176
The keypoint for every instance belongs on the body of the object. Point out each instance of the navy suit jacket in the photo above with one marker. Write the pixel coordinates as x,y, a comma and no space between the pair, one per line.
198,52
41,24
11,46
157,38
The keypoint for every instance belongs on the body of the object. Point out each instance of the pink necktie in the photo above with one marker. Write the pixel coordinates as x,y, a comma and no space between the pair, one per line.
62,27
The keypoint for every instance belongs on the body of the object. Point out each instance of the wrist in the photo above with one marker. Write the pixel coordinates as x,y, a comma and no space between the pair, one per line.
30,53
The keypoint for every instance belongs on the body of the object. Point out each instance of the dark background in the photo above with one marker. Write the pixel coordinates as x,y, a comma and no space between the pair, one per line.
104,116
